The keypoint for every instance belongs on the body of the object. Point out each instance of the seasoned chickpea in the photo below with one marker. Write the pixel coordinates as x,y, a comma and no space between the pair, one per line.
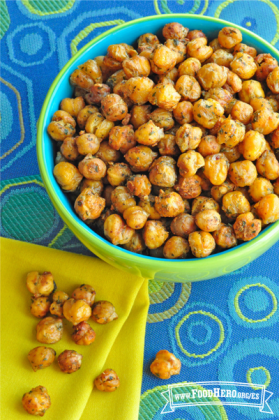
103,312
216,168
163,59
37,401
122,138
251,89
69,361
229,37
218,191
253,145
149,134
40,306
84,114
92,168
183,113
147,41
76,311
233,83
140,158
268,209
107,381
139,185
265,65
208,146
103,129
41,357
148,204
121,199
81,79
97,93
87,143
202,244
118,173
118,52
260,188
272,80
140,115
246,227
107,153
220,95
276,187
162,172
56,308
212,76
176,248
189,162
179,47
188,137
196,33
116,230
265,121
96,186
242,112
225,237
243,65
113,107
232,154
92,69
189,67
208,220
188,87
169,204
183,224
135,217
136,244
93,122
205,182
259,103
221,57
167,146
154,234
83,334
231,133
106,72
40,284
116,78
217,46
175,30
139,89
245,49
207,112
162,119
165,365
268,166
136,66
72,106
164,96
85,292
201,203
49,330
62,126
198,49
170,76
235,203
69,149
189,187
273,101
242,173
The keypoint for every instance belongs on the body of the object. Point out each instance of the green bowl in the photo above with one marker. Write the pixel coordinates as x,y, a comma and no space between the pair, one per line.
148,267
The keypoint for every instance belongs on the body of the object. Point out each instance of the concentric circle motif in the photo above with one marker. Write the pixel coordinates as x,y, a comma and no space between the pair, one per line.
195,6
253,302
257,381
199,333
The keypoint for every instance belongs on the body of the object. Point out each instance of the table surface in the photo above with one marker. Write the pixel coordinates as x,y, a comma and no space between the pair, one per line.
225,329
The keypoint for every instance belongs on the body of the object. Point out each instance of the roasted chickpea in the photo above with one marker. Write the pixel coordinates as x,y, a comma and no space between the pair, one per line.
93,122
169,204
118,52
87,143
221,57
202,244
259,103
92,168
69,149
272,80
84,292
56,308
225,237
268,166
92,69
176,248
69,361
148,204
203,203
231,133
216,168
113,107
139,185
205,183
106,72
96,186
265,65
103,312
247,49
40,284
189,162
37,401
72,106
83,334
139,89
207,111
243,65
209,146
40,306
162,172
251,89
163,59
107,381
246,227
220,95
273,101
62,126
196,33
122,199
167,146
164,96
233,83
149,134
183,224
118,173
188,87
162,119
116,78
242,112
268,209
179,47
97,93
208,220
198,49
242,173
212,76
49,330
165,365
107,153
140,115
218,191
189,67
253,145
234,204
188,137
122,138
265,121
116,230
175,30
136,244
135,217
189,187
229,37
232,154
41,357
82,80
76,311
154,234
183,113
147,39
260,188
84,114
170,76
140,158
136,66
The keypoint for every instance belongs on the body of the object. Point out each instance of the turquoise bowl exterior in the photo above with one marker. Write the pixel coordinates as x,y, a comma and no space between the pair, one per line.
148,267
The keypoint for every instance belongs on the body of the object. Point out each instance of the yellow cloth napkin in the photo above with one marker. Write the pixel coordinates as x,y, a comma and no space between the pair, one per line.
119,345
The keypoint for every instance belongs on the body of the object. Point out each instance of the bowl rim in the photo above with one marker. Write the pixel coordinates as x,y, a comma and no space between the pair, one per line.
79,228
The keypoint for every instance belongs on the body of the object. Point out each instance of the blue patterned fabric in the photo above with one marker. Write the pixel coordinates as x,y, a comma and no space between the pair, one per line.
224,329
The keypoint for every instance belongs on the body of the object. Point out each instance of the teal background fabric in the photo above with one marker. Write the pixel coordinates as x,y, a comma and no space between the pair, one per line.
224,329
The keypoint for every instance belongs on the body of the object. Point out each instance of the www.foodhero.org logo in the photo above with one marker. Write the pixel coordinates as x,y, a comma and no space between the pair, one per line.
187,394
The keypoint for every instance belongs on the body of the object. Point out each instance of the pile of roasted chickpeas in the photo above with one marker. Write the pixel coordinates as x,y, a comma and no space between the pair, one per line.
171,149
77,309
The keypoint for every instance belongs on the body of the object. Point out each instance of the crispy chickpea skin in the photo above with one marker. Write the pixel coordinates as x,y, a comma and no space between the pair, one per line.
118,173
76,311
221,57
260,188
231,133
268,209
116,231
92,168
216,168
40,306
272,80
268,166
113,107
88,205
265,65
201,203
148,204
265,121
189,162
40,284
85,292
62,126
246,227
37,401
69,149
188,137
67,175
189,67
41,357
162,60
176,248
154,234
107,381
183,224
225,237
242,173
212,75
189,187
139,89
188,87
136,244
175,30
243,65
72,105
69,361
136,66
86,144
179,47
183,113
220,95
162,172
202,244
103,312
139,185
97,93
96,186
140,115
229,37
199,50
234,204
169,204
167,146
49,330
242,112
122,199
162,119
83,334
84,114
164,96
59,298
207,111
251,89
165,365
140,158
234,83
122,138
218,191
208,220
149,134
107,153
208,146
135,217
253,145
